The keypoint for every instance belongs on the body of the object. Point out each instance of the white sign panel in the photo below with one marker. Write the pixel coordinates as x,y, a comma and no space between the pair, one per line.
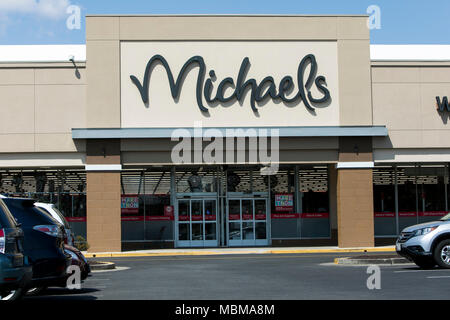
229,84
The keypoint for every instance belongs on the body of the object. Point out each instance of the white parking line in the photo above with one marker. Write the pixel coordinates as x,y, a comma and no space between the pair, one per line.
438,277
419,270
97,279
111,270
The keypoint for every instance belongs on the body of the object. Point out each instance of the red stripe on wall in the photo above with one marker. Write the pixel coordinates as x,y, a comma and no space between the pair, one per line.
433,214
76,219
316,215
384,214
411,214
285,215
309,215
147,218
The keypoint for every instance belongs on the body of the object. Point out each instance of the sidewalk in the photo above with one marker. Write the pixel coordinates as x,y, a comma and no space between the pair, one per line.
229,251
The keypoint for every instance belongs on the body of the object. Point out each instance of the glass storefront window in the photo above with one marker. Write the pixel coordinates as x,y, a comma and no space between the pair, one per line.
210,231
147,211
422,195
283,204
64,188
384,201
196,180
313,189
431,192
300,203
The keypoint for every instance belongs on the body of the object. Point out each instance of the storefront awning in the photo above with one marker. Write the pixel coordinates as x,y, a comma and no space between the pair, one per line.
158,133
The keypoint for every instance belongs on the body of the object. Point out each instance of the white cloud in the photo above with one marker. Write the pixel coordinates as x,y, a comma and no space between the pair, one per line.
53,9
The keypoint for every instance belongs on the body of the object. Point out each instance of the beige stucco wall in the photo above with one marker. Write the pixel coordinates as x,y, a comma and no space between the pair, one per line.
348,35
40,104
404,99
292,150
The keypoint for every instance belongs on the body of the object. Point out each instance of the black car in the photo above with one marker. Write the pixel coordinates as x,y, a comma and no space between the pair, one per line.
43,243
15,272
79,260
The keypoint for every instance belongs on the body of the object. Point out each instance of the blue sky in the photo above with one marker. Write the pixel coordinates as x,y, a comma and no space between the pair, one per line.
44,21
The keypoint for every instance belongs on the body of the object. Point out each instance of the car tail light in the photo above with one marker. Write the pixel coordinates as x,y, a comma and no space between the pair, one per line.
51,230
8,244
9,279
2,241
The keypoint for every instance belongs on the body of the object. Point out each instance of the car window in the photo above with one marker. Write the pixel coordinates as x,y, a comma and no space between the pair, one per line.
61,216
6,219
27,214
446,218
66,225
46,213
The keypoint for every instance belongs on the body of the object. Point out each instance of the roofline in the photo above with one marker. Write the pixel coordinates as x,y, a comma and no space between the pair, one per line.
11,54
408,53
228,15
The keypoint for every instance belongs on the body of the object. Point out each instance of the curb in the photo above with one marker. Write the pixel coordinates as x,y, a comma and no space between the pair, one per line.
236,252
102,266
369,261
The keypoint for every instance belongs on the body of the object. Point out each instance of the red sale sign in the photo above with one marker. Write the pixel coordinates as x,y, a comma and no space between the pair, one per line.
129,204
284,202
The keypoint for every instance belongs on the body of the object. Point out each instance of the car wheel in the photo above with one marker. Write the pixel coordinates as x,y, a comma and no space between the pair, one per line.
35,291
425,263
442,254
11,295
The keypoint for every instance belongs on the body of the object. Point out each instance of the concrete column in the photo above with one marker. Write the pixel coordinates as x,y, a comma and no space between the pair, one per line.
354,193
103,196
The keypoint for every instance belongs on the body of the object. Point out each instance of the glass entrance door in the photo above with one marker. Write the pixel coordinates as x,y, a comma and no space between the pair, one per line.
196,222
247,222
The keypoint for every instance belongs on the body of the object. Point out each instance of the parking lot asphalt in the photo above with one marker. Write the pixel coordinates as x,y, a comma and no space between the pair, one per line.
253,277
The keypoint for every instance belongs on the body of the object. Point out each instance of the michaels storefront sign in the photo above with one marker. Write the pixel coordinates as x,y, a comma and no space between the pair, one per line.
229,84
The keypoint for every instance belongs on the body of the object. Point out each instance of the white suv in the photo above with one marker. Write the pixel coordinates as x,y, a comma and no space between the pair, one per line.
426,244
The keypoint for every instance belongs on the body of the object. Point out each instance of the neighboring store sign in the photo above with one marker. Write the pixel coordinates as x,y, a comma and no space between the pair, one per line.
442,105
259,92
129,204
284,202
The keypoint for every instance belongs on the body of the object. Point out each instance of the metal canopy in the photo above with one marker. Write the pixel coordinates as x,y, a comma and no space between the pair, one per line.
155,133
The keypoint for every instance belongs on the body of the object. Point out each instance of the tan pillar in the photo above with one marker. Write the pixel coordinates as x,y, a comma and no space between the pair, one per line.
355,208
103,196
354,192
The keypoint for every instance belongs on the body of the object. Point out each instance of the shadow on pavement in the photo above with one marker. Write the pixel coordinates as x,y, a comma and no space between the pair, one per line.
65,294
